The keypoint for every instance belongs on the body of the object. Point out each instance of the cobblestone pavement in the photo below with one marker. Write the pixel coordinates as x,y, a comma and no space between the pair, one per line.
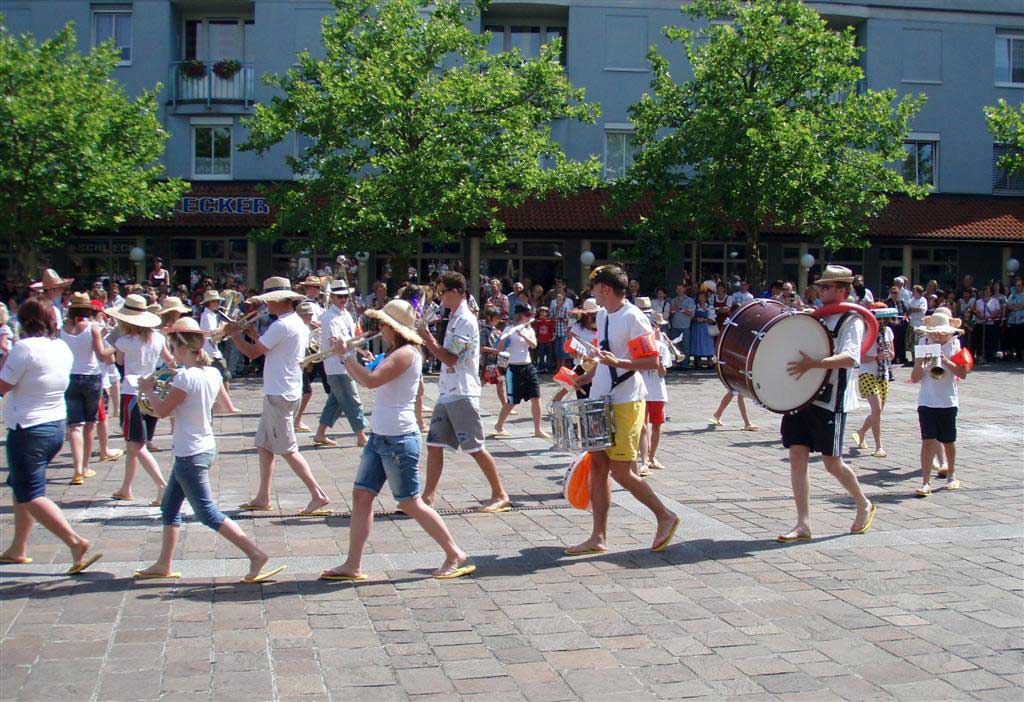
927,605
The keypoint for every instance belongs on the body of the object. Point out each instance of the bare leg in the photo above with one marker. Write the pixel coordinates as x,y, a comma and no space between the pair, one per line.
644,444
131,458
432,523
655,440
486,462
535,410
875,420
503,414
169,539
44,511
848,479
929,447
23,523
262,498
103,437
317,497
600,502
302,409
76,440
150,465
722,405
801,484
622,472
743,411
358,533
234,534
950,451
435,466
90,427
420,390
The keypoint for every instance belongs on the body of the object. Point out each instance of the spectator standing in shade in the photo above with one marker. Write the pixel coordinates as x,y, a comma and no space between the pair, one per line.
545,328
561,308
682,308
740,297
987,312
1015,321
661,304
917,308
499,299
898,324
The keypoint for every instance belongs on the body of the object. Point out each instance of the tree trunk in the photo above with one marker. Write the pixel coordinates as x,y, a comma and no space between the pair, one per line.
755,266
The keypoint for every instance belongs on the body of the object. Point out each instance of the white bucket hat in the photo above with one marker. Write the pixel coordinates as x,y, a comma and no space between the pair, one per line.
589,306
135,311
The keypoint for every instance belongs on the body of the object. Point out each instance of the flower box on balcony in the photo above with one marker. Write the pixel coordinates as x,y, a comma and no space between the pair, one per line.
226,69
193,68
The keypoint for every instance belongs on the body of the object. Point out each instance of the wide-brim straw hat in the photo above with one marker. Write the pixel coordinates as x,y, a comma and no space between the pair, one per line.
277,289
173,304
50,280
311,281
589,306
400,316
305,308
212,296
186,325
656,318
940,322
643,303
80,302
135,311
836,274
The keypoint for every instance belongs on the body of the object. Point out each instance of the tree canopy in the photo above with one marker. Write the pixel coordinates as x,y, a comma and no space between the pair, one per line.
76,153
1006,123
773,131
411,129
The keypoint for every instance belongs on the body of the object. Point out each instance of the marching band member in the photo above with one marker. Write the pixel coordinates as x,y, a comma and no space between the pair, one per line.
490,335
521,380
210,322
171,310
85,389
310,373
615,377
33,381
657,392
52,287
337,324
195,389
283,344
143,347
312,288
393,450
456,422
873,379
819,426
584,329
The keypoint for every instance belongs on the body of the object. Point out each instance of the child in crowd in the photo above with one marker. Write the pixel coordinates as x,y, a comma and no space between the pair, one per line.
544,325
657,394
490,335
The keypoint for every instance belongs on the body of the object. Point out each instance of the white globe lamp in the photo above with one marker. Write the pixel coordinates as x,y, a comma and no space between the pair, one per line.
807,260
587,258
363,256
1013,265
137,254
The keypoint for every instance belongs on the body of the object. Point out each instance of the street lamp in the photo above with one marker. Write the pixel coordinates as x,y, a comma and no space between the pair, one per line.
807,260
587,258
137,254
1012,266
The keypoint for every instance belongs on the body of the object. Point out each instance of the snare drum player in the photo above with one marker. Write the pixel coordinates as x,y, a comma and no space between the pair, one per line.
337,324
819,426
455,422
284,345
521,380
616,378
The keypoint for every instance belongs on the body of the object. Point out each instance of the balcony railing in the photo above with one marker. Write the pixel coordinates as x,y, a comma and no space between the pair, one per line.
194,82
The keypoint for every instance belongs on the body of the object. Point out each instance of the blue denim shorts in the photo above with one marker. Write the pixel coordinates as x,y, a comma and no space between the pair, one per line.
190,480
29,452
83,398
391,459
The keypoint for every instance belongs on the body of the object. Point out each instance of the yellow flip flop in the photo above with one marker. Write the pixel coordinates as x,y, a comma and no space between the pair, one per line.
321,512
456,573
342,577
867,522
75,569
668,539
77,480
264,575
139,575
494,509
121,498
4,560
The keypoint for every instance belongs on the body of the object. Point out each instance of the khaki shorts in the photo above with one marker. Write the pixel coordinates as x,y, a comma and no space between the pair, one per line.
276,431
629,422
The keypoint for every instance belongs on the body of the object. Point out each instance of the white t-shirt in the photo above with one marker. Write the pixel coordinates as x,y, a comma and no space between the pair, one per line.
335,324
140,359
623,325
849,341
584,334
286,341
514,339
916,309
986,312
939,392
210,322
654,383
461,337
738,299
394,405
871,367
39,368
193,431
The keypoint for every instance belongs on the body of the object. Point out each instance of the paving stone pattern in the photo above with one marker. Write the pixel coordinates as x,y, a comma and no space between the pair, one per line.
927,605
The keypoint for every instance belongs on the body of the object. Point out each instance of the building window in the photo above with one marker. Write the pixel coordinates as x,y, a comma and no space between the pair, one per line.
619,149
919,165
1010,59
527,38
116,27
1002,181
211,152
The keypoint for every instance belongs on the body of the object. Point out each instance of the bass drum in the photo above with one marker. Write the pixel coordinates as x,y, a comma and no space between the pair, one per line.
757,343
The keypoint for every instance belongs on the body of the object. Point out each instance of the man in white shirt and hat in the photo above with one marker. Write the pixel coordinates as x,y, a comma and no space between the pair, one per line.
52,287
284,345
337,324
819,427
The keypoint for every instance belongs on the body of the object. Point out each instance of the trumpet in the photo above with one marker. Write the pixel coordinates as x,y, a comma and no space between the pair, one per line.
934,366
242,323
324,351
162,378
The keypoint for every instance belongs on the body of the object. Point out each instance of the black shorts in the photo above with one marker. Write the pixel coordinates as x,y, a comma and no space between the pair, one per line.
937,423
522,383
138,428
82,399
817,428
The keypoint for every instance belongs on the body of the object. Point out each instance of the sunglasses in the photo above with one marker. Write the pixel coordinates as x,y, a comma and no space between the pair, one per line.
824,286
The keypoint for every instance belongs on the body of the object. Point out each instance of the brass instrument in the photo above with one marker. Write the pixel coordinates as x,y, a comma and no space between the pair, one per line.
934,366
162,378
242,323
324,351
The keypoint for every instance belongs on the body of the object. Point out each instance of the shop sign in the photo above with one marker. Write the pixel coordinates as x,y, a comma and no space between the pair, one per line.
223,205
121,246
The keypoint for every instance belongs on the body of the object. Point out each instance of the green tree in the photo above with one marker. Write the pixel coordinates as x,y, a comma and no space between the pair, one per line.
1007,126
76,153
771,132
413,130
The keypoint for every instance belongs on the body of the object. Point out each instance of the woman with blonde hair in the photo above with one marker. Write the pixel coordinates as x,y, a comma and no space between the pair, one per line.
143,347
194,391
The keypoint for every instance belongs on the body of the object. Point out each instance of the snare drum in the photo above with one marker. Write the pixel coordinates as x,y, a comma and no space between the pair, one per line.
756,344
503,359
582,425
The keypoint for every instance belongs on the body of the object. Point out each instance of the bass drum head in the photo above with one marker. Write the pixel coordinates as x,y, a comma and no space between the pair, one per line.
783,341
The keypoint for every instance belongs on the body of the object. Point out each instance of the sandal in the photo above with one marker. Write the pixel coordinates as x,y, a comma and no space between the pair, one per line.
880,453
858,441
715,421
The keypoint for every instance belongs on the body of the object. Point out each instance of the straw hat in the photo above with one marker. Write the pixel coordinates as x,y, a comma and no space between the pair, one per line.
311,281
155,308
212,296
134,311
80,302
50,280
836,274
589,306
656,318
305,308
173,304
643,303
400,316
940,322
186,325
277,289
340,287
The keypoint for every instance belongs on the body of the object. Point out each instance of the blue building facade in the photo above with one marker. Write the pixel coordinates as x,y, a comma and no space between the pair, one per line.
209,56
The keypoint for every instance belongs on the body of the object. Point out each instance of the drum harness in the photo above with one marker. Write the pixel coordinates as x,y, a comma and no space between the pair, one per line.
825,394
605,346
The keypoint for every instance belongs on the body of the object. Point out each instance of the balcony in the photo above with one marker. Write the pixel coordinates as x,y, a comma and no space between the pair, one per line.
195,83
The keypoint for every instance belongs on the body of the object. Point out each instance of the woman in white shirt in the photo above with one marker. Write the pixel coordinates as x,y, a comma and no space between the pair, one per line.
873,378
33,381
143,348
521,380
393,451
85,390
195,389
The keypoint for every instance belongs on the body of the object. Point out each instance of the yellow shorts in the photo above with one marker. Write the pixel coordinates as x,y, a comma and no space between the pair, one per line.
629,421
869,385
